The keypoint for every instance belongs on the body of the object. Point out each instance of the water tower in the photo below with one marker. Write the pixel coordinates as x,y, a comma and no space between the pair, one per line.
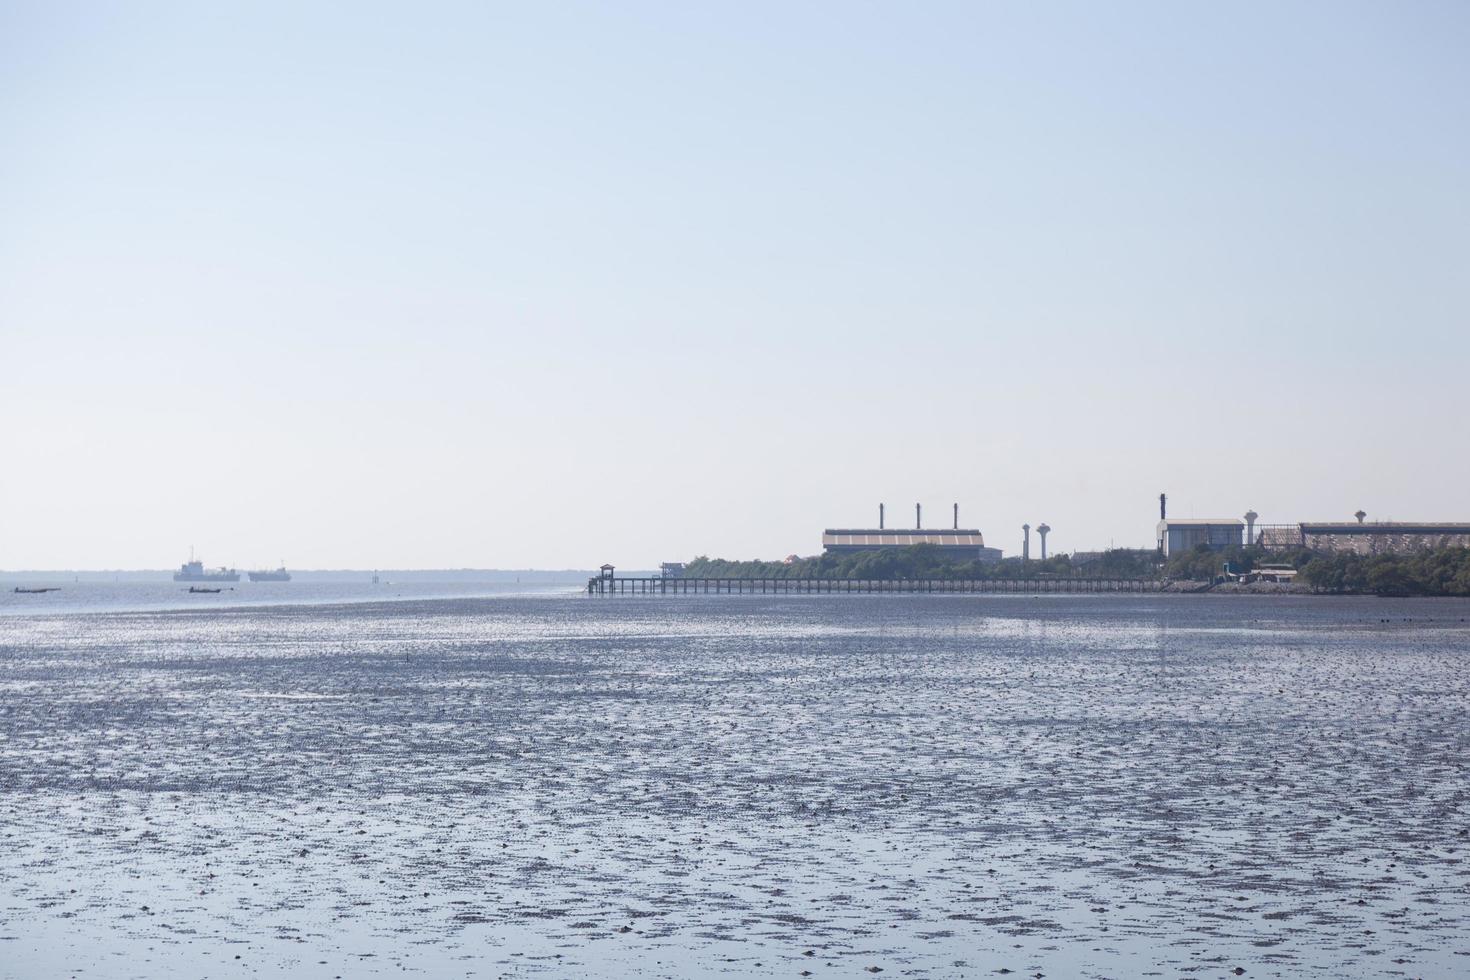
1250,527
1043,529
1360,515
1025,542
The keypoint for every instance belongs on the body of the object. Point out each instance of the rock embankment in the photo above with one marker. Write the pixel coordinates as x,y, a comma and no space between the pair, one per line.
1249,588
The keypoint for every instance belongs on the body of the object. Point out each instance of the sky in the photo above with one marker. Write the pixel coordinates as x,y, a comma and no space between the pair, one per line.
550,285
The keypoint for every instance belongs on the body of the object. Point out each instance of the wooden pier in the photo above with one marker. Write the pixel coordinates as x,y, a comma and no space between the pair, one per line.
609,585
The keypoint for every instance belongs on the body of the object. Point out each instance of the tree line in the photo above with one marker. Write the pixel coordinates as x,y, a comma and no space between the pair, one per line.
1431,572
1438,572
921,561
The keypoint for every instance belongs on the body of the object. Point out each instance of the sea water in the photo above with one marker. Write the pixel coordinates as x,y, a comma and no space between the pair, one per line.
558,785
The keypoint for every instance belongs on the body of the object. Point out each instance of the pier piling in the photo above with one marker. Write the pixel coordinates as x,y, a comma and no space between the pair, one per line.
608,585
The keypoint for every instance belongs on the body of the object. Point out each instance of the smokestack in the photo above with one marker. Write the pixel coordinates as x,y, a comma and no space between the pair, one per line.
1163,511
880,517
918,517
956,517
1026,542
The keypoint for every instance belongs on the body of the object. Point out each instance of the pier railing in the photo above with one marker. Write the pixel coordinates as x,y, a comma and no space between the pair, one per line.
656,585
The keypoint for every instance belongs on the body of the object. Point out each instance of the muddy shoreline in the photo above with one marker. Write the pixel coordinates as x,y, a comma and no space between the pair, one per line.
1074,786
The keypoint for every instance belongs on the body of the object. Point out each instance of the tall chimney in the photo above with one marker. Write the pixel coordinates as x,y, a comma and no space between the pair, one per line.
1026,542
1163,512
918,517
956,517
880,517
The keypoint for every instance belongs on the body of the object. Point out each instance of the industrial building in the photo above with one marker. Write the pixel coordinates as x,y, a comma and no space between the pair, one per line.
955,543
1360,537
1365,538
1176,536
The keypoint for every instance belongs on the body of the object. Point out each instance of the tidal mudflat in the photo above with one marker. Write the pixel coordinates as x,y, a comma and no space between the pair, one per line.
817,786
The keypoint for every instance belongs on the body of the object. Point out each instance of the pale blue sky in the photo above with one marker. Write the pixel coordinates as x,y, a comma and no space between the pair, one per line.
466,285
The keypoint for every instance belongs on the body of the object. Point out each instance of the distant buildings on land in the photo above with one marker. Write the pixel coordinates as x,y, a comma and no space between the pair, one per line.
1175,536
1376,538
1360,537
955,543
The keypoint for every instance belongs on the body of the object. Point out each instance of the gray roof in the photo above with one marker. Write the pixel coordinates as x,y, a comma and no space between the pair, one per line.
1386,527
1201,522
889,538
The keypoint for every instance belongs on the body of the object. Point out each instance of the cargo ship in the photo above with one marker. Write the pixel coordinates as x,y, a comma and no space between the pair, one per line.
194,571
279,575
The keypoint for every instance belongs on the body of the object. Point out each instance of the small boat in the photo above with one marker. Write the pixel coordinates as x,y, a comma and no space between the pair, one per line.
49,588
195,588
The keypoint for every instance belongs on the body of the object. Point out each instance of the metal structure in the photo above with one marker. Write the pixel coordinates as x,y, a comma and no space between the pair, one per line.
960,544
1384,537
656,585
1278,537
1364,537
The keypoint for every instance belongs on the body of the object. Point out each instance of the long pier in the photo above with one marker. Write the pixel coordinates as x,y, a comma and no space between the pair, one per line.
657,585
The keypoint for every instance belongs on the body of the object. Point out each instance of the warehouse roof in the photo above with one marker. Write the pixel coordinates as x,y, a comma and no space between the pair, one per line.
1386,527
887,538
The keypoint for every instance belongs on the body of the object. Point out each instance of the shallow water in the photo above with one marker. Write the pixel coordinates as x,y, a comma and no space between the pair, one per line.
71,596
739,786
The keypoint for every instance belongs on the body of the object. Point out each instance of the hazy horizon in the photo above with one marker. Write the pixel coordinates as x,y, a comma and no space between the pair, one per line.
469,286
299,573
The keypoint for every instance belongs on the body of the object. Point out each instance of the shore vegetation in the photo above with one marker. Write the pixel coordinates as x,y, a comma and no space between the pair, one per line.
921,561
1434,572
1438,572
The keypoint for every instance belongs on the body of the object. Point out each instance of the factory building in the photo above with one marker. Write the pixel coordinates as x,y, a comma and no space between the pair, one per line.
1176,536
1362,537
955,544
1371,538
